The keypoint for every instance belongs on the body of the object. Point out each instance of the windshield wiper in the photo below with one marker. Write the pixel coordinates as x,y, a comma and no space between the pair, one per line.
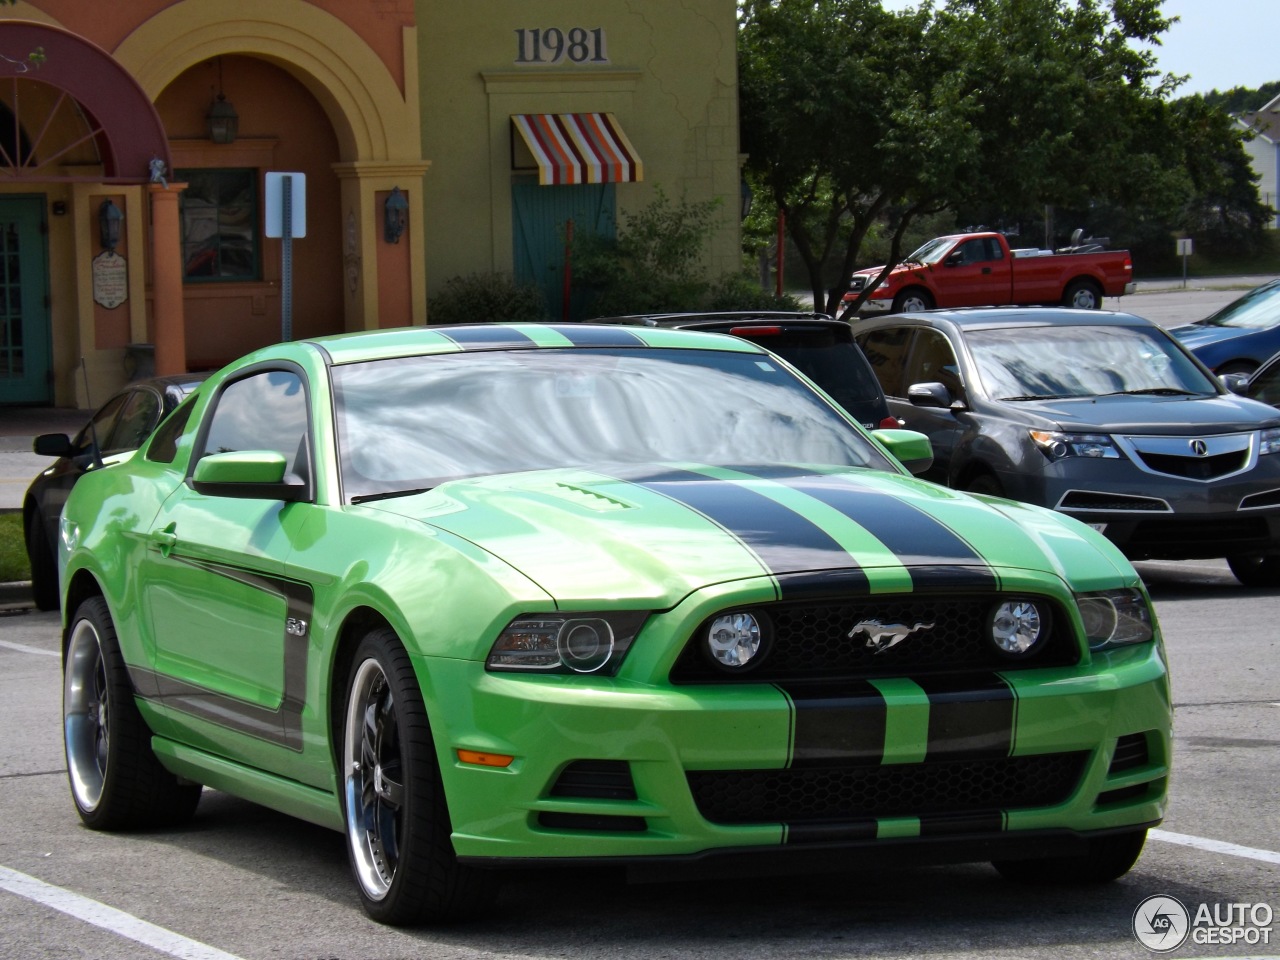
1043,396
370,497
1156,391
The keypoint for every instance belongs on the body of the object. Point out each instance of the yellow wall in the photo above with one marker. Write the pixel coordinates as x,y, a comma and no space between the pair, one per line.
670,79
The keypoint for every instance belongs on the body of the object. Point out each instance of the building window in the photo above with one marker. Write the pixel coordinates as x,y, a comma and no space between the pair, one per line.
219,218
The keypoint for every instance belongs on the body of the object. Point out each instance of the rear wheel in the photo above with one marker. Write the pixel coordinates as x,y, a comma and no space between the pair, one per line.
1256,571
116,781
44,569
1082,295
398,829
1107,859
912,301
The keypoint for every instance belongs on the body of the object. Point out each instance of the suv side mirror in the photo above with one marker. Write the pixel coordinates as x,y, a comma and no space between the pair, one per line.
1235,382
933,395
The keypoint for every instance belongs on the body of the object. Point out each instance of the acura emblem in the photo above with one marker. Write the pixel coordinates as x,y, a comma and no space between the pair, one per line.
881,636
1199,448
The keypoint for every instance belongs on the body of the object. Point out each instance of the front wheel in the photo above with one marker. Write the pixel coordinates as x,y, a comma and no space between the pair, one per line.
398,829
116,781
985,484
1236,366
912,301
1256,571
1106,859
1082,295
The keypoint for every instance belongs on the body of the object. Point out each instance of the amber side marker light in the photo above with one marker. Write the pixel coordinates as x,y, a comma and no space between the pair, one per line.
485,759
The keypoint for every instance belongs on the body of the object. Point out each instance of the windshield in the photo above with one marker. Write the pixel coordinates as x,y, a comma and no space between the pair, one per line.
933,251
1259,309
1023,363
412,423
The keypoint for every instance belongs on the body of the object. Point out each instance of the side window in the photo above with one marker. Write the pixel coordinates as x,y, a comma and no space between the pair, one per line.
137,420
886,351
994,250
934,361
164,443
263,411
973,251
98,429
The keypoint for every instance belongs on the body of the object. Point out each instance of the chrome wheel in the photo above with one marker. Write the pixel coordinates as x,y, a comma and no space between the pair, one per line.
374,781
86,715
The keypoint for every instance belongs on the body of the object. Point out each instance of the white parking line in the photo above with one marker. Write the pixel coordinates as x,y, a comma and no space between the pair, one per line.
1216,846
23,648
109,918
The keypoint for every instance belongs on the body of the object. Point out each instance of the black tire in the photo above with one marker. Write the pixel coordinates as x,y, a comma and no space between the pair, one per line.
1082,295
397,822
1256,571
44,568
1236,366
985,484
116,781
912,300
1107,859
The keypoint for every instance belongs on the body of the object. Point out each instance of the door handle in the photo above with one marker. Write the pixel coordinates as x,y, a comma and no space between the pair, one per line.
986,269
165,539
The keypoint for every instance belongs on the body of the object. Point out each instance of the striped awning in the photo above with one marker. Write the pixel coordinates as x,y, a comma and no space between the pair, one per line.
579,148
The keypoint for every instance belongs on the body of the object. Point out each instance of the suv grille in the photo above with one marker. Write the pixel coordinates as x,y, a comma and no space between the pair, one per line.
834,794
811,641
1197,468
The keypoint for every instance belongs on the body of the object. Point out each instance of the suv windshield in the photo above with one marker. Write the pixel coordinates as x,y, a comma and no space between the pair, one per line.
412,423
1082,361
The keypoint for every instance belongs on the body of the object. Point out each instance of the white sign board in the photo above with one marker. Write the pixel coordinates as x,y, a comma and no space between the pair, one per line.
1184,247
273,207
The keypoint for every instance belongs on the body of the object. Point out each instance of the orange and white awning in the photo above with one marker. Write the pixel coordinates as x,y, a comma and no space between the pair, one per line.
579,148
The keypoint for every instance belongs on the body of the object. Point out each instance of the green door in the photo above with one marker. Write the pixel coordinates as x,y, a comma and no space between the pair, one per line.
540,216
25,372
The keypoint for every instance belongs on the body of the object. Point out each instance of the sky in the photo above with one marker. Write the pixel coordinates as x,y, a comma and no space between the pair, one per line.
1220,43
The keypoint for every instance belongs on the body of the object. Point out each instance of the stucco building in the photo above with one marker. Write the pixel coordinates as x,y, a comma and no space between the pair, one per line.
421,140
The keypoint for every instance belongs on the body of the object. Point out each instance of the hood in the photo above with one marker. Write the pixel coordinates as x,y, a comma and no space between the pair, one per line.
1198,334
1179,416
656,535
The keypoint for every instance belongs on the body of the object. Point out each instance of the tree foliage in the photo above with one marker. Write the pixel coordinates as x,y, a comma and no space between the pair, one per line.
856,118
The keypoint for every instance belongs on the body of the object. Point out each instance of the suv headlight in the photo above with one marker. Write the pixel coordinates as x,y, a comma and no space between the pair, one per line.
1116,618
1269,442
1059,446
565,642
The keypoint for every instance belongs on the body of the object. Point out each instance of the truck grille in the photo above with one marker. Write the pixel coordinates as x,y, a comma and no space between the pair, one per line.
811,641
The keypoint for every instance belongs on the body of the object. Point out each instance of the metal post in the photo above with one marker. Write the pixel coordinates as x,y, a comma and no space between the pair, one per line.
286,260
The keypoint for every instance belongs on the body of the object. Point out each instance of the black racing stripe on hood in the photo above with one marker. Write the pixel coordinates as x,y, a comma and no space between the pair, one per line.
598,336
486,335
837,725
785,541
934,553
970,717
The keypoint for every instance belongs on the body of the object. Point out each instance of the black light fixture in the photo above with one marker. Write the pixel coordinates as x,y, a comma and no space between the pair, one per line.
746,196
109,221
222,120
396,212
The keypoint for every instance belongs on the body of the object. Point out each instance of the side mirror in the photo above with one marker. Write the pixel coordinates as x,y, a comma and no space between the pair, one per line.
1237,383
954,259
933,395
52,445
910,448
247,474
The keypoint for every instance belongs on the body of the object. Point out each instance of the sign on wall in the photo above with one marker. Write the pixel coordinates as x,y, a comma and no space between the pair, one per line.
110,279
556,45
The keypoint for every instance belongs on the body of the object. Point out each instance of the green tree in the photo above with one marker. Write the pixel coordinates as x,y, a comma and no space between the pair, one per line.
853,115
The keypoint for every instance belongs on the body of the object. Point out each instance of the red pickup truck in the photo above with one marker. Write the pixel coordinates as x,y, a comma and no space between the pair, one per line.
980,269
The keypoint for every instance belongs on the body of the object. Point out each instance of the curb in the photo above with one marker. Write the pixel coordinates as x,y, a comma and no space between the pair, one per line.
16,594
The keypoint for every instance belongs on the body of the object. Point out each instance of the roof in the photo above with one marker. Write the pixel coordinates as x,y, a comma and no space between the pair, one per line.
996,317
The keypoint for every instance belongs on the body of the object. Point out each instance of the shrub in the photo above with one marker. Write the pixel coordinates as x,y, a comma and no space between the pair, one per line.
487,296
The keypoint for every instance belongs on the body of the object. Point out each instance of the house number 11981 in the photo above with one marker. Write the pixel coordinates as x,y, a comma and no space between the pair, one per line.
552,45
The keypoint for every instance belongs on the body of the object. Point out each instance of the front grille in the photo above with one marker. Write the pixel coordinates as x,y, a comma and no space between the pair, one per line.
811,640
1131,753
834,794
1256,501
1197,468
1090,500
595,780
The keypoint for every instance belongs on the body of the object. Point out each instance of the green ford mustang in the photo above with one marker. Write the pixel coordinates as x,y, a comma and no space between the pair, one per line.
497,596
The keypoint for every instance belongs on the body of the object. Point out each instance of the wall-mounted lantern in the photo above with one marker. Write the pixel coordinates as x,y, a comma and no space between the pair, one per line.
396,214
109,221
222,119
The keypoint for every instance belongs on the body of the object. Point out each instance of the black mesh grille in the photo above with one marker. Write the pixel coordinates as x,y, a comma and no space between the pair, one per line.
1196,468
1131,753
835,794
595,780
812,641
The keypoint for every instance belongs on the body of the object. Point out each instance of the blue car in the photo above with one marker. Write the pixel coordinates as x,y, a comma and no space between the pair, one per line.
1241,336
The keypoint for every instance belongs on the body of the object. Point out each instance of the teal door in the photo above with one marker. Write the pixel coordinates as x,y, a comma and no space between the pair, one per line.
25,370
540,217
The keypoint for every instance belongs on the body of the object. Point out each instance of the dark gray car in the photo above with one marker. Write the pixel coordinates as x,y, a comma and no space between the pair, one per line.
1102,416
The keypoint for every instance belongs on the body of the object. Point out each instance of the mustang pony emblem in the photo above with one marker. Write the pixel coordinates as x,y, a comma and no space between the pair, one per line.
881,636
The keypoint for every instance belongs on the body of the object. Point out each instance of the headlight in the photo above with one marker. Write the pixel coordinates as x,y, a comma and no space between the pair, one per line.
1116,618
735,641
565,643
1019,627
1059,446
1269,442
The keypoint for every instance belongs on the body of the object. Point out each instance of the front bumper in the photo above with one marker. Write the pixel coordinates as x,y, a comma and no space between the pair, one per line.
610,769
